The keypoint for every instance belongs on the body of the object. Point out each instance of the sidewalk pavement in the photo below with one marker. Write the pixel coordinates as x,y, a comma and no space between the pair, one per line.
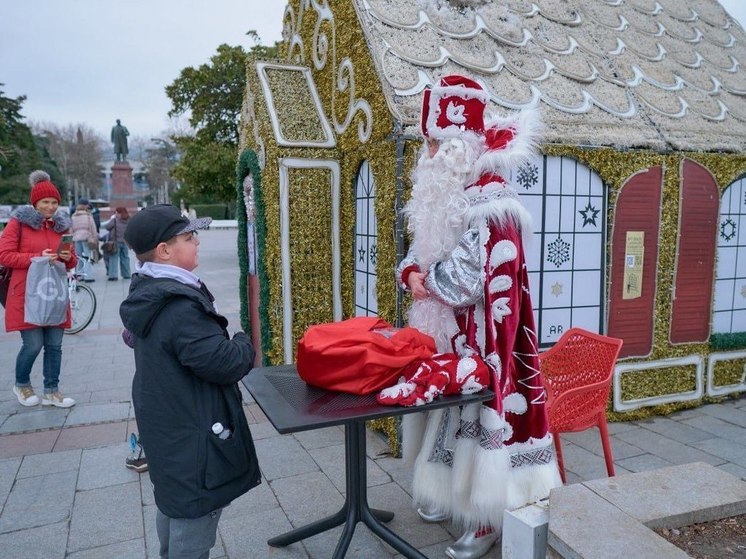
65,491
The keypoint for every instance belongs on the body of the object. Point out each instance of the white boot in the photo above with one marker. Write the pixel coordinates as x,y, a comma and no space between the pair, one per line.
472,545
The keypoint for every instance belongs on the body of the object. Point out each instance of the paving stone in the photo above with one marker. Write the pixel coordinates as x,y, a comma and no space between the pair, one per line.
674,496
578,517
146,489
717,427
35,419
8,469
44,542
406,522
622,427
102,467
98,413
273,456
731,414
584,463
331,460
725,449
247,536
672,451
674,430
41,464
105,516
38,501
132,549
263,430
364,544
259,498
27,443
91,436
307,497
320,438
152,546
734,470
590,439
642,463
120,394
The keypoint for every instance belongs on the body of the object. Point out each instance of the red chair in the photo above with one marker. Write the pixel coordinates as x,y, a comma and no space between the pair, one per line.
577,373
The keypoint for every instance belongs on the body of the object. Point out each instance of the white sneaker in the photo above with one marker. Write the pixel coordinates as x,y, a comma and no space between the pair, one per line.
26,396
57,399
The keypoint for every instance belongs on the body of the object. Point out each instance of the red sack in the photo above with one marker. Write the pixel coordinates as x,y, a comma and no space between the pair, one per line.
360,355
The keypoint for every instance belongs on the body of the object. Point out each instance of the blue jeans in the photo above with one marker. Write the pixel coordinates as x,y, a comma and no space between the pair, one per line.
120,258
50,338
82,250
186,538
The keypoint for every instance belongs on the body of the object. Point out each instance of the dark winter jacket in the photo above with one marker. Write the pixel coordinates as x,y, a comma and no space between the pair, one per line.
27,235
185,380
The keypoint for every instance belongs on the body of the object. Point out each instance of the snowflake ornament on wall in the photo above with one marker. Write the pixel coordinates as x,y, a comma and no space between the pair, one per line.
727,229
559,252
528,175
373,254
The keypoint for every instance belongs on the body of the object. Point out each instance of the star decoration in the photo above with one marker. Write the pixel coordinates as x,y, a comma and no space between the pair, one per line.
589,215
727,229
373,254
361,252
557,289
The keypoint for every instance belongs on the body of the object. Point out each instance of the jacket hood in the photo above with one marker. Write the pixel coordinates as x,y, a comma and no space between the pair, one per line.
148,296
28,215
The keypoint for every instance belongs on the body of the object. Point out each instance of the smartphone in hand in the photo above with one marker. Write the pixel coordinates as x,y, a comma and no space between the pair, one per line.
66,244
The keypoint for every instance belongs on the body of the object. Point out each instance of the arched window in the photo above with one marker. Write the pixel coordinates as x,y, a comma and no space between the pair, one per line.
565,259
366,301
729,308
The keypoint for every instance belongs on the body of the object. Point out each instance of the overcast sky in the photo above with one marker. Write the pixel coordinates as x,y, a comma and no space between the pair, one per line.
93,61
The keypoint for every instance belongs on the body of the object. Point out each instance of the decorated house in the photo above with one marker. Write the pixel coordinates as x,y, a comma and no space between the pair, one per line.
637,199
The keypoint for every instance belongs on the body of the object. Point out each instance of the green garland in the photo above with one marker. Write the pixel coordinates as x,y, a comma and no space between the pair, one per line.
248,164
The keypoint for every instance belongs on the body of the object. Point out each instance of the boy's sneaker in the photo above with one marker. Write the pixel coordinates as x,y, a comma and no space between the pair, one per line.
139,464
26,396
57,399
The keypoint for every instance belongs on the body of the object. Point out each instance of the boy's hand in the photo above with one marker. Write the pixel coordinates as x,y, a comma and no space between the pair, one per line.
416,282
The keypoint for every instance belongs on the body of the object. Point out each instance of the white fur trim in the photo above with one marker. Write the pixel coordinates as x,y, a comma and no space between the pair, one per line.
503,212
515,403
528,126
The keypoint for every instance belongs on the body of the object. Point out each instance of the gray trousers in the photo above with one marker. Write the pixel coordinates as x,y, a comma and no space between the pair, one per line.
187,538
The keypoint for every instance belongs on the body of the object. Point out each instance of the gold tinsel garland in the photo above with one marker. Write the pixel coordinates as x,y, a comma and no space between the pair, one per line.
614,168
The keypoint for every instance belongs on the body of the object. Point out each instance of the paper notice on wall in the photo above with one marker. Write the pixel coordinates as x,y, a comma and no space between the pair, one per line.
634,251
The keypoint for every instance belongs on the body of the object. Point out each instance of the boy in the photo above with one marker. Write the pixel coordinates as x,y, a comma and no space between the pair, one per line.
188,405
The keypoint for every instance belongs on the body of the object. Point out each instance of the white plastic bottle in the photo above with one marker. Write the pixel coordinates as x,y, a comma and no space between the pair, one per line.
221,431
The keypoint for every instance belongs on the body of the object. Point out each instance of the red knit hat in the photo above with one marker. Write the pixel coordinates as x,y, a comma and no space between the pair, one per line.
42,187
456,104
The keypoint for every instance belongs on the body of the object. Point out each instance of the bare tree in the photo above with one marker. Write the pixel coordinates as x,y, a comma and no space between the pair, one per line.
78,151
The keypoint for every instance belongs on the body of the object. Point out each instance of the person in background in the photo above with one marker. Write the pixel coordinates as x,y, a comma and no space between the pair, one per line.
185,394
117,227
33,231
84,232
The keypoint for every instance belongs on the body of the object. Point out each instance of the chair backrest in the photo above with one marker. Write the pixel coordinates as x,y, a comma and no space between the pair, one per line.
579,358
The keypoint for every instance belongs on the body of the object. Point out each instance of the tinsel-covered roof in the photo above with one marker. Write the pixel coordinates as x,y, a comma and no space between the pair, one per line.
662,74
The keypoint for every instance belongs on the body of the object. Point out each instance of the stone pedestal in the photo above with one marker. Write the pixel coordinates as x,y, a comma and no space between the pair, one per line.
122,189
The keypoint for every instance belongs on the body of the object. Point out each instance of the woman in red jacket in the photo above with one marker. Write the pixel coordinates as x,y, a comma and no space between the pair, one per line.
35,231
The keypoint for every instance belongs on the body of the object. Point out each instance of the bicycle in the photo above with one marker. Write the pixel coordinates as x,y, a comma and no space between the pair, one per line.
82,304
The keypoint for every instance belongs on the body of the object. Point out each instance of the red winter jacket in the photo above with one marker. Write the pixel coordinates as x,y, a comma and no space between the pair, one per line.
25,236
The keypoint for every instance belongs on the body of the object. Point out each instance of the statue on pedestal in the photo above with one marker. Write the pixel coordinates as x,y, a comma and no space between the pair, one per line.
119,135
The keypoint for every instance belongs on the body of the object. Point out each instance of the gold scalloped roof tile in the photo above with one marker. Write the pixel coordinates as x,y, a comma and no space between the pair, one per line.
585,63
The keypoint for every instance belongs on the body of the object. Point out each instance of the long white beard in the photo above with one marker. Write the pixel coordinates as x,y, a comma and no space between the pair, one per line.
437,219
438,206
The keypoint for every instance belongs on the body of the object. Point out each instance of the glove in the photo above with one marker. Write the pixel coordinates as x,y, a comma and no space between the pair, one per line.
444,373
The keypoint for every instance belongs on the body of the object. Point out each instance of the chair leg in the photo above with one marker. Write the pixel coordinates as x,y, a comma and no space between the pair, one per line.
606,443
560,463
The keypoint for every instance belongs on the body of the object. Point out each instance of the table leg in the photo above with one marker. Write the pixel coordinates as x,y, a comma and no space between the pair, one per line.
356,507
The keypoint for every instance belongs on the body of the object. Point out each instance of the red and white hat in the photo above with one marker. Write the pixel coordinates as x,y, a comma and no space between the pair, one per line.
455,105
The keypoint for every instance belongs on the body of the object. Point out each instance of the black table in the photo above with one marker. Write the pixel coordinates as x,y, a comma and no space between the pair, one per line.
292,405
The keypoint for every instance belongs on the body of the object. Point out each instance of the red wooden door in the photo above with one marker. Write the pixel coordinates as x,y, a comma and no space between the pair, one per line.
638,209
695,256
